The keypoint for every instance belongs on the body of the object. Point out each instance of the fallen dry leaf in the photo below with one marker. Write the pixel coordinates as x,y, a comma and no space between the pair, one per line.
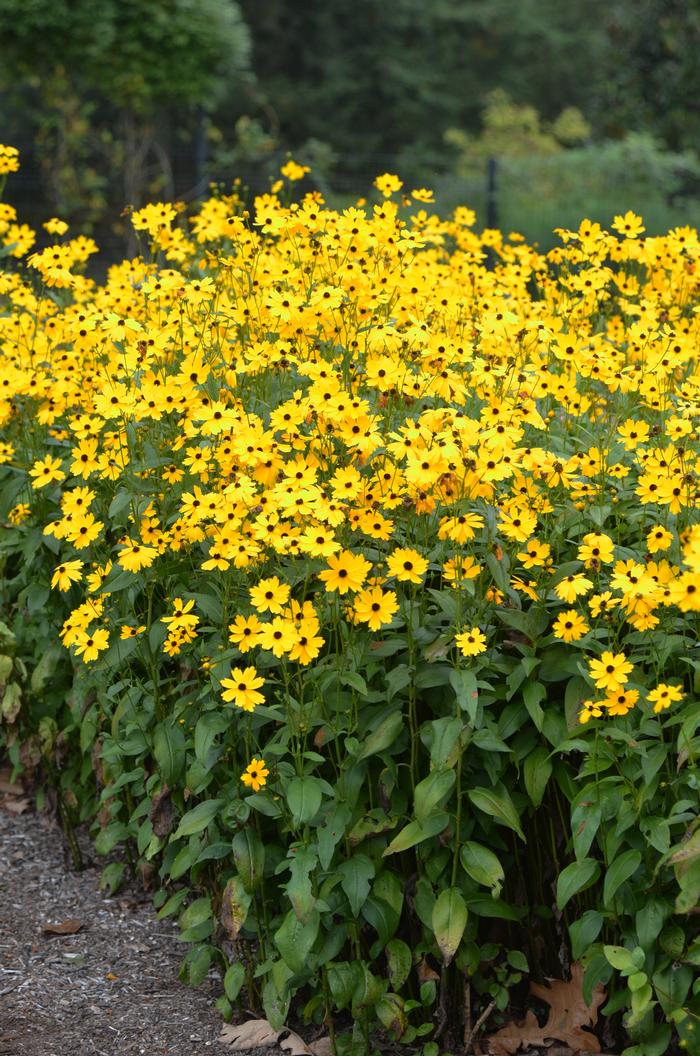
322,1047
257,1033
568,1015
293,1044
66,927
15,806
10,787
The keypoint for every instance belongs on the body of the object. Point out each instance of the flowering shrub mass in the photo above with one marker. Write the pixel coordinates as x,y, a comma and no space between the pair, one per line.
351,581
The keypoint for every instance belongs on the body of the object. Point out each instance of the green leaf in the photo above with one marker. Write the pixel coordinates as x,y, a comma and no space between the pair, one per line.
432,792
196,912
198,818
299,888
355,875
482,865
112,876
533,694
390,1013
169,750
249,856
499,806
196,964
235,903
397,679
621,958
415,832
584,932
449,921
384,736
400,961
330,834
649,921
464,683
620,870
294,939
233,980
576,877
537,771
304,797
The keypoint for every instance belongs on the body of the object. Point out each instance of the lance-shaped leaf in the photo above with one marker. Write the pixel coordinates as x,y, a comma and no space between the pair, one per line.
449,921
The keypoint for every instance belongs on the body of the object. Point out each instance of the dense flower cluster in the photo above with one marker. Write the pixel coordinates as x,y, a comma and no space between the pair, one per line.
354,482
301,387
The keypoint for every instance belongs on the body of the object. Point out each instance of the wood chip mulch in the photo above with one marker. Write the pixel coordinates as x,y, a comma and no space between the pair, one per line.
104,981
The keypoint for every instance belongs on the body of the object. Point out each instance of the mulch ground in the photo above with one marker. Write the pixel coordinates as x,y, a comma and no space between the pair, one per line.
109,989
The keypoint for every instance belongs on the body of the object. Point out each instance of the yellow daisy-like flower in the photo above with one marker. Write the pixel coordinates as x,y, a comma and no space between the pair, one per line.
242,688
375,607
664,696
471,642
408,566
611,671
270,595
66,574
346,571
45,471
570,626
255,775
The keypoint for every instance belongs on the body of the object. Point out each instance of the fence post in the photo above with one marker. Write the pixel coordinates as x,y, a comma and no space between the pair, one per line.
491,192
201,151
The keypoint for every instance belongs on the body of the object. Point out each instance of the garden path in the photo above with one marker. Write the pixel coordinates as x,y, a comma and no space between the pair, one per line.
109,989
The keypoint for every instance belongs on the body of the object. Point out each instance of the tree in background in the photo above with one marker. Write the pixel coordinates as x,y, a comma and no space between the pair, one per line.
105,88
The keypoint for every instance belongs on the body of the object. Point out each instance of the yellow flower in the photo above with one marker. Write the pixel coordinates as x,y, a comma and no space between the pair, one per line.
622,702
66,574
630,225
134,556
182,616
664,696
245,632
45,471
269,595
388,184
242,688
408,566
129,631
572,587
293,171
9,159
375,607
590,709
255,775
658,539
471,642
89,645
570,626
346,571
611,671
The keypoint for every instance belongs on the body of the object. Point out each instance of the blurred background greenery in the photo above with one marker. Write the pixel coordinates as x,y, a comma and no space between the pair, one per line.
576,107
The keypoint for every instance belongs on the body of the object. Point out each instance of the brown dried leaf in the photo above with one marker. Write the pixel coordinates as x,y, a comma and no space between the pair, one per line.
568,1015
321,1047
15,806
162,813
510,1038
426,973
66,927
293,1044
256,1033
10,788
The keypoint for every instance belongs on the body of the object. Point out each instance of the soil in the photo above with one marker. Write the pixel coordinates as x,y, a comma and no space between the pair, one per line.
109,989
